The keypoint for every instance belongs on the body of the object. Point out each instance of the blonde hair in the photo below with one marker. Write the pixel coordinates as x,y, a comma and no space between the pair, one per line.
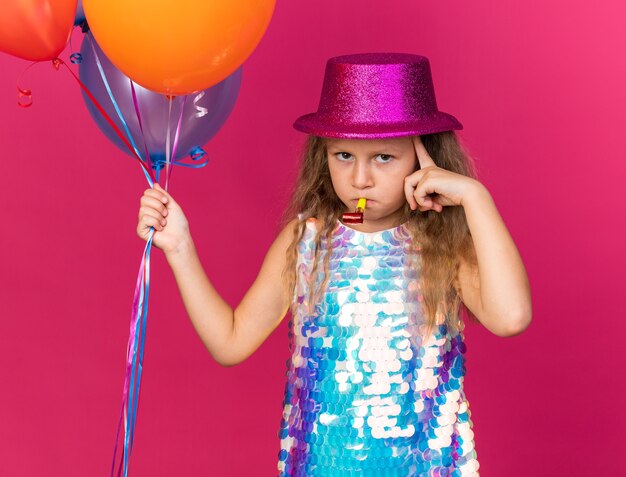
443,238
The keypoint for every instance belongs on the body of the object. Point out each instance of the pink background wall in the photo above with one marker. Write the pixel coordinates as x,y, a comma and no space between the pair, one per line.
539,87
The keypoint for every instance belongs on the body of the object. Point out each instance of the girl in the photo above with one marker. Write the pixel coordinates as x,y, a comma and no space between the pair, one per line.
375,380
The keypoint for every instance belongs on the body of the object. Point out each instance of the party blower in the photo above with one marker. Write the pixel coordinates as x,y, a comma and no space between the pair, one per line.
355,217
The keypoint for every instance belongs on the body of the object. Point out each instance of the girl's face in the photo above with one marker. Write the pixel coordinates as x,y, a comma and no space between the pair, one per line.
374,169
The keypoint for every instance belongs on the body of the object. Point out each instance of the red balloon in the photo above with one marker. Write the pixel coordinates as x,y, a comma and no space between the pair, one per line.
36,30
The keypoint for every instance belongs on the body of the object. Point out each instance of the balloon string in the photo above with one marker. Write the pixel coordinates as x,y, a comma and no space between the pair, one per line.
134,361
157,163
131,366
176,136
131,361
134,358
136,341
136,105
105,81
134,366
139,364
167,140
57,62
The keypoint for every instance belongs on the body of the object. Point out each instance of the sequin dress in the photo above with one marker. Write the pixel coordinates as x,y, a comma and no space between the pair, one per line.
365,395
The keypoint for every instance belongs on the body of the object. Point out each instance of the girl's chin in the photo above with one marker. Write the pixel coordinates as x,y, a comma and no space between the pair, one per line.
380,215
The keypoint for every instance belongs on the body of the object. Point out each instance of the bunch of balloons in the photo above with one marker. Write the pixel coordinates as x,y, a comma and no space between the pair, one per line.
164,49
201,115
159,78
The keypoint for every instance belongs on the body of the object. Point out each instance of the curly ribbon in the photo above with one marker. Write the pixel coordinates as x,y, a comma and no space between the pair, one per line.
196,154
201,111
24,98
24,95
76,58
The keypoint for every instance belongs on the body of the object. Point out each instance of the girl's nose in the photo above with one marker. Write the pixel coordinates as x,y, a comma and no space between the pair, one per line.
361,175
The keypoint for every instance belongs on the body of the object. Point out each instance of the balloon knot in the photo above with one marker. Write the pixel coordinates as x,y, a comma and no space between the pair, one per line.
57,62
158,162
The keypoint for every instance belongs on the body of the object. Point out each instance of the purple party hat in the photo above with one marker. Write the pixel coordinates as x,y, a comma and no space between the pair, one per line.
377,95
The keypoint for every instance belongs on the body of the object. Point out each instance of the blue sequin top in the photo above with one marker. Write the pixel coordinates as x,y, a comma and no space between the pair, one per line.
365,394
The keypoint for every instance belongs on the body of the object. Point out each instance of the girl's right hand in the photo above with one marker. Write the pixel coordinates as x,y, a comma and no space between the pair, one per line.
159,210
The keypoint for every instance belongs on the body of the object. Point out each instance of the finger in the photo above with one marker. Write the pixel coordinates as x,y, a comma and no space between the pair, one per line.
167,195
160,196
424,189
410,182
146,223
423,158
149,212
435,207
429,203
424,202
158,193
432,203
153,203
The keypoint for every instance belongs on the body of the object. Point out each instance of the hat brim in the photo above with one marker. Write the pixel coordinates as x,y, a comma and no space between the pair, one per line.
317,125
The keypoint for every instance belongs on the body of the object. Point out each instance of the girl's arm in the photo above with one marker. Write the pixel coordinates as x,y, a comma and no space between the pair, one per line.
232,336
498,292
229,335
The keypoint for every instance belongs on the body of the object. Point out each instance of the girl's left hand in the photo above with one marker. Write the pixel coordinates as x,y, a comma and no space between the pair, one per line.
446,187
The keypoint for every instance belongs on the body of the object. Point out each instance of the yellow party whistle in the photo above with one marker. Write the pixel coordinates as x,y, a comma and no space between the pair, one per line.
355,217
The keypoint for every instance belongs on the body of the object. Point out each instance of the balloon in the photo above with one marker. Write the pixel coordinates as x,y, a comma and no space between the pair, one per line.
203,115
178,47
80,14
35,30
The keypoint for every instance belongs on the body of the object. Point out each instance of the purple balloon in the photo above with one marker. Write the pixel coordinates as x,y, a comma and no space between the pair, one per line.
203,115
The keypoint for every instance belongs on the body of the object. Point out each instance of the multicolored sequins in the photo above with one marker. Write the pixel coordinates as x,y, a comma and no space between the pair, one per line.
366,395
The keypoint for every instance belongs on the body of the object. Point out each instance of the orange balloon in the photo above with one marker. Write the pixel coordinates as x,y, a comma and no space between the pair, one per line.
36,30
176,47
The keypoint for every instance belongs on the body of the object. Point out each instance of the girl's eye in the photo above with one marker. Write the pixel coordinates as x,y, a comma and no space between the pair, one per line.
384,158
343,156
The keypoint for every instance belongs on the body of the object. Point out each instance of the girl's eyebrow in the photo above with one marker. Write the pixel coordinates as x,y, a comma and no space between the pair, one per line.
333,146
383,147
